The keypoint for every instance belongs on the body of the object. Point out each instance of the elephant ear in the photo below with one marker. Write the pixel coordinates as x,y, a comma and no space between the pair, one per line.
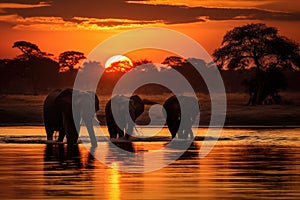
64,99
138,105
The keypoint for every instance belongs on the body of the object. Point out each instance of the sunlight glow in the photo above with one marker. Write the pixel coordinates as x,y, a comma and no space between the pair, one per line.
114,181
118,63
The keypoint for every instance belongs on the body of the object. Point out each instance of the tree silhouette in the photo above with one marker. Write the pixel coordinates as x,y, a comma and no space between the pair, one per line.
258,47
175,61
33,65
29,49
189,71
141,62
119,66
69,60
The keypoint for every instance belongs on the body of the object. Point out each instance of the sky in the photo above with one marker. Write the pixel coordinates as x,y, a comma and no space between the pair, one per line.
60,25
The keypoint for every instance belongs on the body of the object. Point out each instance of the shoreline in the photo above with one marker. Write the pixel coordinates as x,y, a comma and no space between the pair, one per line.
22,110
165,126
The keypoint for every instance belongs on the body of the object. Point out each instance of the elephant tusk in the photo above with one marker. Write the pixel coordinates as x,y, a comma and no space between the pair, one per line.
95,117
139,133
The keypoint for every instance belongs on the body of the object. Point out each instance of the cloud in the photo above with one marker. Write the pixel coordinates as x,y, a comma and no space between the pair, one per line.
78,23
107,14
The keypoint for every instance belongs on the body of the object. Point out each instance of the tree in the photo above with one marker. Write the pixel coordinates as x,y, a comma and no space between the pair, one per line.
175,61
188,70
27,48
33,65
122,66
69,60
30,49
260,48
141,62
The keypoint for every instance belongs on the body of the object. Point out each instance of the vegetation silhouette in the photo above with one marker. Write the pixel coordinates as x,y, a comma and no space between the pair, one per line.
253,56
36,72
68,60
261,49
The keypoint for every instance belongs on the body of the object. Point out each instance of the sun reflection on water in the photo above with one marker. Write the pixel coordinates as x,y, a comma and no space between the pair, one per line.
114,181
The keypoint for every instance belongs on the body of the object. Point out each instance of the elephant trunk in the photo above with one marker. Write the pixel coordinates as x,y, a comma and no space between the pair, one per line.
89,125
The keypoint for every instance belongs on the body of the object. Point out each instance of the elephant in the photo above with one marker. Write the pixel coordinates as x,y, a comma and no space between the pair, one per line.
59,115
174,114
136,108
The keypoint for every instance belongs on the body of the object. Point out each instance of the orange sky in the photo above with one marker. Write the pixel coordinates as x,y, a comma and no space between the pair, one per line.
56,26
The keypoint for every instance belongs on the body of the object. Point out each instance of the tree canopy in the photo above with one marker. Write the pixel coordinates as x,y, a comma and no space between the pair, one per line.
258,47
175,61
68,60
29,49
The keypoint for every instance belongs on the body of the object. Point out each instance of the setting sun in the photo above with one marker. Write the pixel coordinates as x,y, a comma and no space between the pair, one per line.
118,63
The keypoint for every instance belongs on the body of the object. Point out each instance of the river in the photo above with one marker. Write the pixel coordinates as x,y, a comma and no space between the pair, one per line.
243,164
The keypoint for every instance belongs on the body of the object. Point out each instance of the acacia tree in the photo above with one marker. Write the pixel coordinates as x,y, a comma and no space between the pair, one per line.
68,60
33,64
261,49
30,50
27,48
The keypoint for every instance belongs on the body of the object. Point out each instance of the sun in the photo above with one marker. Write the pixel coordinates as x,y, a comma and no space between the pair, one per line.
118,63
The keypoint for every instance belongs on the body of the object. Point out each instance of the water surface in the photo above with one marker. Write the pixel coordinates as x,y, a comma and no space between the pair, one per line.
244,164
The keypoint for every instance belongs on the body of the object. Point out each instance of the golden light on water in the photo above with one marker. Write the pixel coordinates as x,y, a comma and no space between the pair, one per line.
114,181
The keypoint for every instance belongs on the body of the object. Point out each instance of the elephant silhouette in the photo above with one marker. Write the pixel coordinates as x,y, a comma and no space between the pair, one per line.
119,120
63,111
181,119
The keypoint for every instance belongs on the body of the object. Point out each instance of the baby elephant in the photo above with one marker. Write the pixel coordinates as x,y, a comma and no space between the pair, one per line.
118,117
180,120
63,111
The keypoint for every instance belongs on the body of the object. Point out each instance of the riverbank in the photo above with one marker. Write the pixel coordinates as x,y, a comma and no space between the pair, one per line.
27,110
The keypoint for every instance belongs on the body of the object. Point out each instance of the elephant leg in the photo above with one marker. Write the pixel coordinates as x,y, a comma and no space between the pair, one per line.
50,133
90,128
112,128
70,129
61,135
72,136
120,127
120,132
173,126
129,128
129,131
113,132
173,131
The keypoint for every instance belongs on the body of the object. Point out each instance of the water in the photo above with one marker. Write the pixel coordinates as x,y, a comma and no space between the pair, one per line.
244,164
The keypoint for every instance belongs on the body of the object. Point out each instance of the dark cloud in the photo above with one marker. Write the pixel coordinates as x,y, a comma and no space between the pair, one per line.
120,9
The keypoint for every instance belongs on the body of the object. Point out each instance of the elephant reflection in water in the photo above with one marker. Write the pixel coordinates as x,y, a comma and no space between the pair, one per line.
67,165
121,113
59,156
181,119
63,111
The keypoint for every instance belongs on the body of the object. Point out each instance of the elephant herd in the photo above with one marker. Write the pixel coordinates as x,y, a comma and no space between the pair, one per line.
65,109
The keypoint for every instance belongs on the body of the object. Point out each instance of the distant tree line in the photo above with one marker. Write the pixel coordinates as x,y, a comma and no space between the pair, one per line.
36,72
252,58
